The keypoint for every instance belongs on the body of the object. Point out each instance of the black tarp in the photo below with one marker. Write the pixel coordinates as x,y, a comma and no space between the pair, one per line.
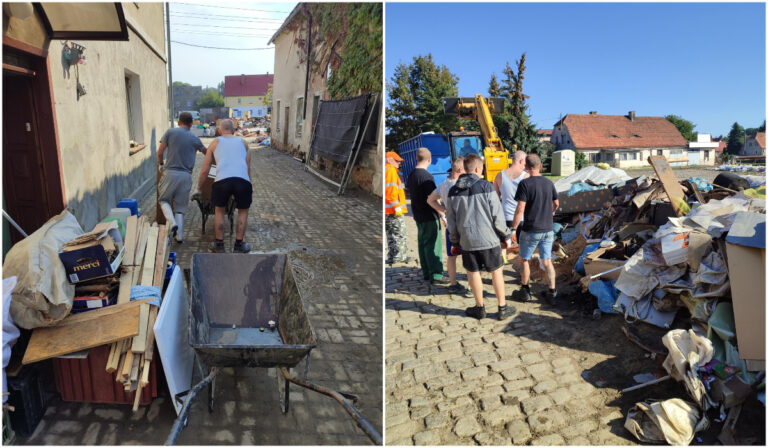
337,128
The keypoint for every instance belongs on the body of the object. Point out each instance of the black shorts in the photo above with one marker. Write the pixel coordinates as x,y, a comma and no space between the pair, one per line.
517,231
241,189
487,260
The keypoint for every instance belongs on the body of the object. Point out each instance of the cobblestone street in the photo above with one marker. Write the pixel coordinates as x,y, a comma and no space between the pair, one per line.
455,380
335,246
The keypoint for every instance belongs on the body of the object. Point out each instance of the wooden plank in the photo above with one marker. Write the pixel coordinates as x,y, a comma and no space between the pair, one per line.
128,363
161,258
137,399
96,314
131,230
148,267
150,350
145,373
119,370
140,341
126,281
140,251
137,361
669,182
51,342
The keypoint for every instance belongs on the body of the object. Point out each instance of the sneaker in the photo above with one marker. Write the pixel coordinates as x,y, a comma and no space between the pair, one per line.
551,296
460,290
443,281
478,312
216,248
505,311
522,295
242,248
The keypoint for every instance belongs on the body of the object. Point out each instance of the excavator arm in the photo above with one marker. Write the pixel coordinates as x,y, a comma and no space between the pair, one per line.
481,110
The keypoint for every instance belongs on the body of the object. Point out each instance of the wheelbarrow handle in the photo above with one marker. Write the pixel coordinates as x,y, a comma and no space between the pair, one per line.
369,430
178,425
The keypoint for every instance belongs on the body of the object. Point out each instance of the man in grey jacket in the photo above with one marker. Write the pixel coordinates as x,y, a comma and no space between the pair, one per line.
476,223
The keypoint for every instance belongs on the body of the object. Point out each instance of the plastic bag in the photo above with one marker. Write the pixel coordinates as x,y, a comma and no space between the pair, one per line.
673,421
701,184
43,295
606,295
579,266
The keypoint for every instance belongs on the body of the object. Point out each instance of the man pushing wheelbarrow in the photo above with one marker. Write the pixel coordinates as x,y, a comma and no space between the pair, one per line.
233,179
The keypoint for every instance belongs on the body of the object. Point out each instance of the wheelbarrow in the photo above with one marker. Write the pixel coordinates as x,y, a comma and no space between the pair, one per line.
204,201
246,311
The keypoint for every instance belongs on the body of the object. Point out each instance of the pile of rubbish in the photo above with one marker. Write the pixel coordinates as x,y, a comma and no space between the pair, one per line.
740,168
650,247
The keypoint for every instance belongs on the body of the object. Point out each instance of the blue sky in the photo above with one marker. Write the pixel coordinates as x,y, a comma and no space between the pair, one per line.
224,25
702,61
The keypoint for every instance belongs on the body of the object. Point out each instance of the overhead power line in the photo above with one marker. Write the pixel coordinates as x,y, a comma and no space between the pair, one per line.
231,7
221,48
223,26
224,17
218,34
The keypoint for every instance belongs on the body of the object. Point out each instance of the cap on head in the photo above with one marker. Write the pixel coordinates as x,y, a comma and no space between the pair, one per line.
394,155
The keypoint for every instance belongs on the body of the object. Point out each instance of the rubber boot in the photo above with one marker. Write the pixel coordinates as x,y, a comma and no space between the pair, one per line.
180,225
170,222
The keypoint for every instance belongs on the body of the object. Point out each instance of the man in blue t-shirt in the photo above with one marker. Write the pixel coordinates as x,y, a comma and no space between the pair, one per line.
176,183
537,202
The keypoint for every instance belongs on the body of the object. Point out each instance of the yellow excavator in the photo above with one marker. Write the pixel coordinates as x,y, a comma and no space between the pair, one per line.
485,143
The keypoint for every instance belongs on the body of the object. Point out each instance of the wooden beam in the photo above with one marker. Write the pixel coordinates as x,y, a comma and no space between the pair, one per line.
73,319
161,258
148,266
140,341
52,342
127,365
670,183
140,251
131,236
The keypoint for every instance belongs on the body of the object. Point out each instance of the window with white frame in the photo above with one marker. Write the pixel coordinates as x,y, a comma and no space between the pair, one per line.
133,107
676,152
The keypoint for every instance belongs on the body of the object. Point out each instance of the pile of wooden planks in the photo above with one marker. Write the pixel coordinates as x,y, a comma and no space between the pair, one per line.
145,261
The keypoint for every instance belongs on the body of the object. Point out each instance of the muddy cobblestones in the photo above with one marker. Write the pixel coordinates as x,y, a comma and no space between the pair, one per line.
335,243
483,382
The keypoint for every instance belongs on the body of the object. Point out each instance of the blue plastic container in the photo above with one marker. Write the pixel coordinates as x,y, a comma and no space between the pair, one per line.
130,204
169,270
437,144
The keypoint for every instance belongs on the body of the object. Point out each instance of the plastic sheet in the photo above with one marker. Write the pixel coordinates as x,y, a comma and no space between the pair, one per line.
673,421
688,351
579,266
594,174
606,295
582,186
701,184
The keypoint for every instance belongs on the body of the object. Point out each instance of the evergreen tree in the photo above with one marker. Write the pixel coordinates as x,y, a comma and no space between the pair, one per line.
514,125
415,102
493,87
735,139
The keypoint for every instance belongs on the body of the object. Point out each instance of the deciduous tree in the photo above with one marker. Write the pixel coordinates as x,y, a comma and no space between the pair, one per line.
684,126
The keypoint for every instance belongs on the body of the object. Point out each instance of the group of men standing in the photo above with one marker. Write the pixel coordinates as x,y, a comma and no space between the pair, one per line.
481,220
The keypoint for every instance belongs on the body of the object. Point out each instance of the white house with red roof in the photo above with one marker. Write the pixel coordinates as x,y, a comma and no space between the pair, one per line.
754,146
622,141
246,92
703,150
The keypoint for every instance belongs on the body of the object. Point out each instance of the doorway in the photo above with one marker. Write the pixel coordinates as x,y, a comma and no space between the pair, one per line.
286,125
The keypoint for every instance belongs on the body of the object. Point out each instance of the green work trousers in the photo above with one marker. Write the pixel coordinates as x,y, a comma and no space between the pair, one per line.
430,249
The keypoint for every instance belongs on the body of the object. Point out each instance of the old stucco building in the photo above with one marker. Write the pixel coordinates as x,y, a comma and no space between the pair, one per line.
622,141
247,93
67,126
292,120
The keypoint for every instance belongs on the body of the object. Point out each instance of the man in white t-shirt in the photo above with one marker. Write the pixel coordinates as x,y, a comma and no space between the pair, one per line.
437,200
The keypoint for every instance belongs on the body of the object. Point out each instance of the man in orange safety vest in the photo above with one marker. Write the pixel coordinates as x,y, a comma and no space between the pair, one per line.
394,209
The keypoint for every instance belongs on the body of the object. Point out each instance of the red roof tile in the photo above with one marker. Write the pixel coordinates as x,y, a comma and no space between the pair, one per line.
721,146
247,85
618,131
760,137
544,131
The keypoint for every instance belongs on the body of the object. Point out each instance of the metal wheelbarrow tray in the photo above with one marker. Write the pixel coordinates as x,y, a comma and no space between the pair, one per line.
234,299
246,311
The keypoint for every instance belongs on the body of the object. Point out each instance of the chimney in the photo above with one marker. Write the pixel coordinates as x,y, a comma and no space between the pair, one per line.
631,115
593,112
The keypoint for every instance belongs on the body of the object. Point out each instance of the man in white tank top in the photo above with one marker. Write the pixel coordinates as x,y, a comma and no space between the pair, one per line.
233,162
506,184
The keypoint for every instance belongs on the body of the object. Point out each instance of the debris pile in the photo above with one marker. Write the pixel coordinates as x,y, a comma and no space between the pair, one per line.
650,247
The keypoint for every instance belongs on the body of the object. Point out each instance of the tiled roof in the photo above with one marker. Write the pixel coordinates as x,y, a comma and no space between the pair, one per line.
247,85
618,131
544,131
721,146
760,137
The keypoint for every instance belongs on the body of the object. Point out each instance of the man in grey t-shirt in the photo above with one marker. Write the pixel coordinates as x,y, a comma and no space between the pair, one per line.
176,184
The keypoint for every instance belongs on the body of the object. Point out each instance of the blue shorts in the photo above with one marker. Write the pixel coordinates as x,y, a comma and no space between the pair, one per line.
530,241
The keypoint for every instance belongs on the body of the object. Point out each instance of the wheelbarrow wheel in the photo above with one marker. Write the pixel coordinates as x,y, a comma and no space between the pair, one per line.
283,390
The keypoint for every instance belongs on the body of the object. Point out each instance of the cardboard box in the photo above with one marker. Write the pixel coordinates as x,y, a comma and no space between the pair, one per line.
674,248
731,392
745,246
594,265
85,257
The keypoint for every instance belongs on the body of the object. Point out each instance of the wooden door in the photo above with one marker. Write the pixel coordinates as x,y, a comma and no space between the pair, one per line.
23,178
286,125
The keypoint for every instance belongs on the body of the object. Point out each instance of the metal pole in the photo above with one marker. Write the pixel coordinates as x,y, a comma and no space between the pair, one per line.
369,430
170,66
178,425
8,217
